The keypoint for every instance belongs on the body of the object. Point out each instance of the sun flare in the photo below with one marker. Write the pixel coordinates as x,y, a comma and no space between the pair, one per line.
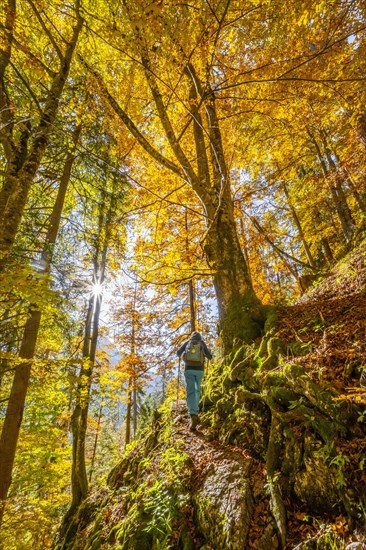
97,289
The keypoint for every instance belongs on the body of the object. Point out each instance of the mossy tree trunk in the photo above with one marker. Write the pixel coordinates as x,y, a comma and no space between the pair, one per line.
240,310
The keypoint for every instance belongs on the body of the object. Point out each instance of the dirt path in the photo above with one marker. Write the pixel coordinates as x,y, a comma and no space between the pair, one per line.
226,481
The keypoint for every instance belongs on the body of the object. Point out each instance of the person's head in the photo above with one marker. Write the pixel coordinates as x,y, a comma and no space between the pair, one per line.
196,335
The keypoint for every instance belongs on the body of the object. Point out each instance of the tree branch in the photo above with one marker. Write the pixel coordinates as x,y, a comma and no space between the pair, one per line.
130,124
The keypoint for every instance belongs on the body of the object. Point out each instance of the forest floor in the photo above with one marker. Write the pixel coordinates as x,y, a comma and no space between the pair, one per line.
329,324
330,319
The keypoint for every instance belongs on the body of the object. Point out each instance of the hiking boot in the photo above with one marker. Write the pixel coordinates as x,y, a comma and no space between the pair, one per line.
194,422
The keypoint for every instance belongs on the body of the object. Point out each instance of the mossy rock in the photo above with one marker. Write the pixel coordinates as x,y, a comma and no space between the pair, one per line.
292,456
87,512
186,540
271,321
294,372
242,396
210,397
262,349
225,406
276,378
227,384
315,484
269,364
283,396
125,471
135,537
239,369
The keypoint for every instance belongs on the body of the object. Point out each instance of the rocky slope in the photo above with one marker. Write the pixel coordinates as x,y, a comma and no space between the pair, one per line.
279,460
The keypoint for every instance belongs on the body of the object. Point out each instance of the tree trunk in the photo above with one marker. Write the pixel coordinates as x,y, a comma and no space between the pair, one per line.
192,309
14,412
22,166
299,228
361,127
239,308
135,408
92,463
128,413
79,419
328,254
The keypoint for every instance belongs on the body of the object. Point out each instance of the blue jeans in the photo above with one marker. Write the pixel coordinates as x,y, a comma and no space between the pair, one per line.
193,389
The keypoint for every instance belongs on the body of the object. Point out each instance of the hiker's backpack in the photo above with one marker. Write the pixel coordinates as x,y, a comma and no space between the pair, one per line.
193,354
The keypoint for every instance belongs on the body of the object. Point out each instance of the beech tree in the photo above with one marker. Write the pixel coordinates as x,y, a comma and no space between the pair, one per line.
190,129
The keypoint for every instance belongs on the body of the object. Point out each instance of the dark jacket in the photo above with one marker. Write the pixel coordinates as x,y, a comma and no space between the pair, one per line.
206,352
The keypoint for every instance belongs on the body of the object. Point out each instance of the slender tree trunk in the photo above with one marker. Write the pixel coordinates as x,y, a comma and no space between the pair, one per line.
299,228
190,283
128,413
92,463
192,307
79,419
14,412
328,254
361,127
79,482
135,411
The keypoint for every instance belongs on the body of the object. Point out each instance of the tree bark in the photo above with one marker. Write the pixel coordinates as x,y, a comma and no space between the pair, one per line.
192,309
128,413
299,228
92,463
361,127
14,412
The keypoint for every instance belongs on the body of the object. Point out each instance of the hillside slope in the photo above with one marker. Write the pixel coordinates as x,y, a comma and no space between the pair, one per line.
279,460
